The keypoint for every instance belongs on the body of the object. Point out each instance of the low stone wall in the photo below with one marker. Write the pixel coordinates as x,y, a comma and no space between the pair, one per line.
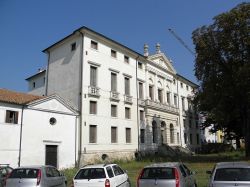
105,157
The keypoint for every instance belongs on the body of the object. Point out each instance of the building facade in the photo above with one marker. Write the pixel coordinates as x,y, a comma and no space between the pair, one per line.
37,130
128,102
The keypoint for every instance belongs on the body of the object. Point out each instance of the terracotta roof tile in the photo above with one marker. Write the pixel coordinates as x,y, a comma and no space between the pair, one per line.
9,96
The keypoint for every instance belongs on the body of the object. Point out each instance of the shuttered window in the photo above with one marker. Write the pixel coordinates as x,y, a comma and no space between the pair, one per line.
114,110
128,135
142,136
92,134
127,86
113,134
11,117
113,82
93,76
140,90
127,113
93,107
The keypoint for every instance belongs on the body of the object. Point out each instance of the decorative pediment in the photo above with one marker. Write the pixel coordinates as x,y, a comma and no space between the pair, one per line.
161,60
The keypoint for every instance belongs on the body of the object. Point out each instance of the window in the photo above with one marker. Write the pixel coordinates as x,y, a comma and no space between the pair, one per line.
126,59
142,137
93,107
191,138
168,97
114,110
174,81
140,65
181,85
92,134
113,82
127,86
11,117
73,46
197,139
154,131
184,122
190,123
113,134
140,90
196,124
185,138
183,103
160,95
175,100
113,53
141,115
93,76
128,135
187,87
94,45
178,138
127,113
171,133
110,172
117,170
151,92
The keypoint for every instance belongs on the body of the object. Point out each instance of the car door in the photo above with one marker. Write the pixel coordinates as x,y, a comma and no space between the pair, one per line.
191,178
185,177
120,176
58,178
3,174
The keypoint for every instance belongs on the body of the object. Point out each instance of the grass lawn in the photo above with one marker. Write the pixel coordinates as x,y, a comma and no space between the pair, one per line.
199,163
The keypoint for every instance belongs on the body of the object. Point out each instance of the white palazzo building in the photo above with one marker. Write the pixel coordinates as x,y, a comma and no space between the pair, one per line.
128,102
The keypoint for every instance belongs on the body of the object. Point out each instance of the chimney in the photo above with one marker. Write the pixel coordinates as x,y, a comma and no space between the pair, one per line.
158,48
146,50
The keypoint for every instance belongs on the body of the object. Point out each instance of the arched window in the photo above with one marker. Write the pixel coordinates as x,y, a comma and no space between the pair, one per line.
171,133
154,131
163,132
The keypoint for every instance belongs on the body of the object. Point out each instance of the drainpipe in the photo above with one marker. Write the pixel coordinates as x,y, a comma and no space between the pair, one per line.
138,122
20,142
80,99
178,120
75,141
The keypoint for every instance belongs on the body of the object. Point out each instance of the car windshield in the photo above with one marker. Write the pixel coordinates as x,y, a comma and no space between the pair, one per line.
91,173
158,173
24,173
232,174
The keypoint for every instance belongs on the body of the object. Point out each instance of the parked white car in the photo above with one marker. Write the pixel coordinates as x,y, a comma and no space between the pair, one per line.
101,175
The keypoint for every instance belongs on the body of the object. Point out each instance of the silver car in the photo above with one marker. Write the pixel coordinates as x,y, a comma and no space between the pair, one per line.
226,174
170,174
101,175
36,176
5,170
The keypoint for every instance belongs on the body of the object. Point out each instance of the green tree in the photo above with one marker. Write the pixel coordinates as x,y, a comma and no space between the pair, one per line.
223,70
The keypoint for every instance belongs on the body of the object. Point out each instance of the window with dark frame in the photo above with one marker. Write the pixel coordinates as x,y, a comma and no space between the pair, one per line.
113,53
113,82
11,117
114,110
127,113
94,45
141,115
92,134
128,135
73,46
92,107
142,136
93,76
126,59
113,134
151,92
140,65
141,90
127,85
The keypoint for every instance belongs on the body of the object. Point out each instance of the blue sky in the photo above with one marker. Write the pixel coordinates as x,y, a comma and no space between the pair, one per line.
29,26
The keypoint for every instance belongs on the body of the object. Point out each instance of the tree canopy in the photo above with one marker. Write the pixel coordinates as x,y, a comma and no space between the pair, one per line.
222,68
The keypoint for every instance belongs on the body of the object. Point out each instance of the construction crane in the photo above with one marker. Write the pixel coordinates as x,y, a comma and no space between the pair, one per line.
181,41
